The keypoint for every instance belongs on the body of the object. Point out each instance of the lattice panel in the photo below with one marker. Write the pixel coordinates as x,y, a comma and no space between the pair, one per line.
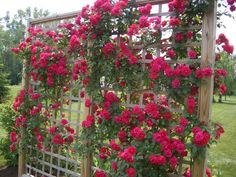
55,163
159,10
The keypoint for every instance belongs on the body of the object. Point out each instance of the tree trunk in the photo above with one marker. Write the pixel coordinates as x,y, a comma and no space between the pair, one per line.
220,99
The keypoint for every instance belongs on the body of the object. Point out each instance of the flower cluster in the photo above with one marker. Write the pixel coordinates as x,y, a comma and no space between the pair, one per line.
232,5
45,58
222,40
201,138
61,133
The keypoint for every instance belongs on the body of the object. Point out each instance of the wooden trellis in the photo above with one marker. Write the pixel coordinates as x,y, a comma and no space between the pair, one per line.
52,164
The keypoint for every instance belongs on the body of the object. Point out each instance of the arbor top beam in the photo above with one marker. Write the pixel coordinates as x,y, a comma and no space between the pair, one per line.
74,14
57,17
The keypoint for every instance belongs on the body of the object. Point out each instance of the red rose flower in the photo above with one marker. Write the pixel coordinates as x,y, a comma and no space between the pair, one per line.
88,103
184,70
64,122
114,146
122,135
138,134
146,9
105,114
95,19
100,173
201,138
132,150
127,156
207,72
189,35
57,139
12,147
221,72
192,54
222,89
199,73
13,137
52,129
131,172
174,22
173,161
114,166
175,83
190,105
143,22
228,48
87,123
108,48
171,53
208,172
133,29
40,146
157,159
179,129
40,138
152,110
183,122
178,37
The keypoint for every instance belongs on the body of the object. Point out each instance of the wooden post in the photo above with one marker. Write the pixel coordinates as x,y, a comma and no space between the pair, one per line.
86,165
25,85
21,158
21,151
206,88
86,170
87,160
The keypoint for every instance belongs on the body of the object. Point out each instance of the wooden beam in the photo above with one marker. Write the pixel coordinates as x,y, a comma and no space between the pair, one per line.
74,14
206,88
57,17
153,2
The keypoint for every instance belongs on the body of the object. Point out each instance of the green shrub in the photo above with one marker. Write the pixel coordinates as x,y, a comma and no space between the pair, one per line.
7,122
4,90
215,170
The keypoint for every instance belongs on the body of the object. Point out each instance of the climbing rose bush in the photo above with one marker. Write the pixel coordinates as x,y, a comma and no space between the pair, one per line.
102,52
47,64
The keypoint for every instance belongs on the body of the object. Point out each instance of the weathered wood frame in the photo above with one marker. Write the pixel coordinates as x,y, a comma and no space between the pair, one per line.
206,89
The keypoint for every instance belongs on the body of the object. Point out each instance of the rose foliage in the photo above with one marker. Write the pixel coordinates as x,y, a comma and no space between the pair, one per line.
109,52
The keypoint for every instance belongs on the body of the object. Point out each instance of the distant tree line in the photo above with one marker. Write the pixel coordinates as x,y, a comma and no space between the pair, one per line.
229,64
12,32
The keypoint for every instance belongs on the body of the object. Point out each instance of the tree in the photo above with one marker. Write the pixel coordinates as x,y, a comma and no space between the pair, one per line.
228,63
12,32
3,84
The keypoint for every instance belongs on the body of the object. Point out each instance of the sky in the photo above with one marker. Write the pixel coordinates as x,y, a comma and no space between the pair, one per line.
63,6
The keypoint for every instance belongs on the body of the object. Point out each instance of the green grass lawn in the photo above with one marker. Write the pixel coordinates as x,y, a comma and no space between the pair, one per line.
223,155
13,92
